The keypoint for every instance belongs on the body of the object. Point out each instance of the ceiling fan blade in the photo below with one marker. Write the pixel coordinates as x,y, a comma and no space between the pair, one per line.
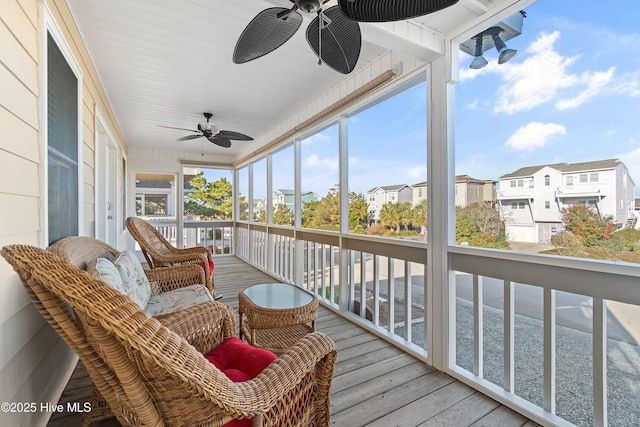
221,141
189,137
171,127
269,30
390,10
229,134
339,41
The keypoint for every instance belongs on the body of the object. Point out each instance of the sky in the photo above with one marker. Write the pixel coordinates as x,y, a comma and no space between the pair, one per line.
571,94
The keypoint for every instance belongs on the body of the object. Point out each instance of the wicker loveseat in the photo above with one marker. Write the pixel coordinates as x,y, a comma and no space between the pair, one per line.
174,289
150,375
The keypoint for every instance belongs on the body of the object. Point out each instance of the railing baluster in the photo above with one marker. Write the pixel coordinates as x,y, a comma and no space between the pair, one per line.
407,300
549,394
599,362
509,339
376,290
478,328
392,295
363,285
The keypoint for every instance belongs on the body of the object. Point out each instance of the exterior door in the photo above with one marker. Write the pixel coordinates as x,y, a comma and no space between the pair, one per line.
106,182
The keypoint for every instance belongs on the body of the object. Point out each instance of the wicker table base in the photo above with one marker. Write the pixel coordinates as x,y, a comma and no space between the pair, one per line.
274,316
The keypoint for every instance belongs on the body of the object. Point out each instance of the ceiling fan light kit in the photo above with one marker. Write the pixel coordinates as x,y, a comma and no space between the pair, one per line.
334,34
211,132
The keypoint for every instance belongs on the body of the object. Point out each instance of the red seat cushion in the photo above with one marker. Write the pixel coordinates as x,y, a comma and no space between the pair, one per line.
210,266
240,362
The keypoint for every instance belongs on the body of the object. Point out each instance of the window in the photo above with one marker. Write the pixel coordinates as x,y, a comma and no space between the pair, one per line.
547,180
521,205
375,158
520,183
320,178
570,180
513,183
62,145
547,204
283,185
243,193
155,194
260,191
208,194
593,177
583,178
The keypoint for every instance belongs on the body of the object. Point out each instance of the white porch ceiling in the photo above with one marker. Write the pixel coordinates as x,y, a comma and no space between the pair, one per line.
165,62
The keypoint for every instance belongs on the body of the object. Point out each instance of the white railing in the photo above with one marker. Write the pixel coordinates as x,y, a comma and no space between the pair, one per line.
344,270
545,335
216,235
533,330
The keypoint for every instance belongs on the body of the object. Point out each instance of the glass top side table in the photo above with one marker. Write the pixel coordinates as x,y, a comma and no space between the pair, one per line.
274,316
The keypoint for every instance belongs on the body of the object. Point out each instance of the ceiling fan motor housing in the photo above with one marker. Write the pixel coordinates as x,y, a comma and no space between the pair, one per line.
310,6
208,129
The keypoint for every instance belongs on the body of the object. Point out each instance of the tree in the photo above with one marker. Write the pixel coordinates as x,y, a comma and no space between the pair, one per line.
358,211
587,224
324,213
391,216
480,225
419,217
283,215
405,214
210,199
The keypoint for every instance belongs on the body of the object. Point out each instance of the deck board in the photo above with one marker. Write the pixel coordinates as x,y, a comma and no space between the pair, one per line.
375,383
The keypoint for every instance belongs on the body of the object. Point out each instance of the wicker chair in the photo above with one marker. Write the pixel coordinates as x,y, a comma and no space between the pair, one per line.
151,376
160,253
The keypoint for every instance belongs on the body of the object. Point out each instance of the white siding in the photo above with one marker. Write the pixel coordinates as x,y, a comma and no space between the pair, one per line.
34,362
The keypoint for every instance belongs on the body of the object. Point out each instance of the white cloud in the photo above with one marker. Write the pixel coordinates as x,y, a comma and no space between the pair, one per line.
534,135
417,173
631,160
317,137
544,77
537,79
315,161
595,83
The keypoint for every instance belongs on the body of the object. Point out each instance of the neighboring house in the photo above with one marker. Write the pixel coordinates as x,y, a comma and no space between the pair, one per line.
287,197
471,190
532,198
378,196
259,206
419,193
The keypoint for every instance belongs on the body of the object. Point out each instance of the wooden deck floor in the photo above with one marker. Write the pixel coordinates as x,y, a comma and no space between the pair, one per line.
375,383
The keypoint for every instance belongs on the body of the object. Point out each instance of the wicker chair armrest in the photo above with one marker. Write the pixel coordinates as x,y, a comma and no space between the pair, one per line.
180,257
195,250
169,278
315,352
204,325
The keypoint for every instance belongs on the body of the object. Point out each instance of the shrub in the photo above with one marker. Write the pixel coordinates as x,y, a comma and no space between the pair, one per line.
630,237
375,230
568,244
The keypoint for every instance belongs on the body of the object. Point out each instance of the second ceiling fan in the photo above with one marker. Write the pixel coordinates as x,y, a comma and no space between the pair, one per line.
334,34
212,133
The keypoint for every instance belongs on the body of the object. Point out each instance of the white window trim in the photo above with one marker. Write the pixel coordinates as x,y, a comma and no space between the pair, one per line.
50,26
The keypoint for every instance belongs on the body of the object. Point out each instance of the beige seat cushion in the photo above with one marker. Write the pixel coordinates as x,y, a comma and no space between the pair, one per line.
177,299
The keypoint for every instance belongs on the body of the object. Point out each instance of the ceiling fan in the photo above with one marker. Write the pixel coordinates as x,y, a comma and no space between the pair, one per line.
212,133
334,35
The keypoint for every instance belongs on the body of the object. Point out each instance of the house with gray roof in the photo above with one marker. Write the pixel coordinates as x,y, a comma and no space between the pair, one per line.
532,198
378,196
